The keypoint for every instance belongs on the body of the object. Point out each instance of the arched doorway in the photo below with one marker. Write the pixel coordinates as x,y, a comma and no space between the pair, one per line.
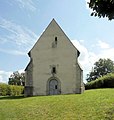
54,87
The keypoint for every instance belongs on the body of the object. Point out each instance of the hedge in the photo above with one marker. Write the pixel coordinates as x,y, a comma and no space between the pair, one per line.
106,81
11,90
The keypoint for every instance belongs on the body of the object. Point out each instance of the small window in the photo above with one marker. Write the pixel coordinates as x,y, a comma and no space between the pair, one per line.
56,40
54,70
55,86
54,43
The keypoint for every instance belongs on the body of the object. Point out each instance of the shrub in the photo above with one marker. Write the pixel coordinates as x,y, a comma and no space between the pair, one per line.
11,90
3,89
16,90
106,81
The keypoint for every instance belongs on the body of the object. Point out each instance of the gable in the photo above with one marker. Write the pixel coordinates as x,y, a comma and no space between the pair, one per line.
53,30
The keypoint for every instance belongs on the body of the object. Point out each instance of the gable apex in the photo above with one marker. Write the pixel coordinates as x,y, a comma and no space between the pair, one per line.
53,27
54,22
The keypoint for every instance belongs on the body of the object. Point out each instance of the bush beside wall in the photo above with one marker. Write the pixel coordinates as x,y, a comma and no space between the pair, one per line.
11,90
106,81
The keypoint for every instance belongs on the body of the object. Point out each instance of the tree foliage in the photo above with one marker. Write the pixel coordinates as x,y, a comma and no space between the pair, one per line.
102,8
101,68
17,79
107,81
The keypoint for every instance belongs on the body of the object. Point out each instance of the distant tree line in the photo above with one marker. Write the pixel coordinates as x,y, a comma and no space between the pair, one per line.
17,79
101,67
15,86
101,75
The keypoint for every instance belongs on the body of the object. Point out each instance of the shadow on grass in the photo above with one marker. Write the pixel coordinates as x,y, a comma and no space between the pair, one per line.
11,97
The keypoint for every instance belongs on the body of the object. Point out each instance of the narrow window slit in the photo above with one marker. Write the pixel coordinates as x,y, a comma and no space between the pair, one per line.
56,40
54,70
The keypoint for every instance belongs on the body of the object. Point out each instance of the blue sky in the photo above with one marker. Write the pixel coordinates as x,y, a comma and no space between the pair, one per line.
23,21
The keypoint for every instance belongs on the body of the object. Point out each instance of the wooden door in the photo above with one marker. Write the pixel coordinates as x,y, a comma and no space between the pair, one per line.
53,87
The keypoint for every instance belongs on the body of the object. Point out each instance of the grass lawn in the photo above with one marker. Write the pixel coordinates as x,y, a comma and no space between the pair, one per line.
92,105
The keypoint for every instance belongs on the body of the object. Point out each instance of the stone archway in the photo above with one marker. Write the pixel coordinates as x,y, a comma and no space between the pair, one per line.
53,86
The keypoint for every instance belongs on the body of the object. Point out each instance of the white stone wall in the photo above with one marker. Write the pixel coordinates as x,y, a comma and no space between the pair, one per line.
63,55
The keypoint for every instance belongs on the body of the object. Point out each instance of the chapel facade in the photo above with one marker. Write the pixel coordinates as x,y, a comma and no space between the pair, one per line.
53,68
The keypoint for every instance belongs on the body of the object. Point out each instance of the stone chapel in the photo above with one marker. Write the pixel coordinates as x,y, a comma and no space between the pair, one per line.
53,68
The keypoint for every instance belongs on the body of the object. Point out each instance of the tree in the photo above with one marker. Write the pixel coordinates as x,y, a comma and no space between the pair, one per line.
17,79
101,68
102,8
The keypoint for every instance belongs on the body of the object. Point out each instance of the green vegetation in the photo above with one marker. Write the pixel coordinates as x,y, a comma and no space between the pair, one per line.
102,8
92,105
17,78
11,90
106,81
101,67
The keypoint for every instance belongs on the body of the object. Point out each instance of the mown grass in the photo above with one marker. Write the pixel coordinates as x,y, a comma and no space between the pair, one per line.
92,105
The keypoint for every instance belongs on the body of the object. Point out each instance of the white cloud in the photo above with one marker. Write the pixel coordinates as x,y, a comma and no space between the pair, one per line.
27,4
4,76
104,50
21,70
103,45
83,58
20,36
88,58
107,53
87,1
